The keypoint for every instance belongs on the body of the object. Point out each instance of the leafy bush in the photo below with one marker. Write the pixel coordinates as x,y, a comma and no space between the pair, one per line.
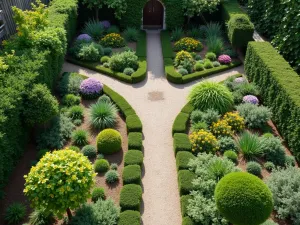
135,140
226,143
231,155
203,141
215,44
246,88
109,141
269,166
103,115
68,165
132,174
181,57
131,34
113,40
255,116
211,56
249,144
208,64
254,168
211,95
199,126
133,157
290,160
177,34
91,88
243,192
89,151
70,84
101,165
123,60
234,120
76,112
188,44
128,71
111,176
107,51
183,71
15,213
285,187
104,98
114,166
101,212
104,59
40,217
273,150
130,217
187,65
80,137
98,193
71,100
94,29
216,64
130,197
90,52
183,159
57,134
209,116
221,128
198,67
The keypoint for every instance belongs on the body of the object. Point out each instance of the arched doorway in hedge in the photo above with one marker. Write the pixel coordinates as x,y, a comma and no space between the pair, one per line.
153,15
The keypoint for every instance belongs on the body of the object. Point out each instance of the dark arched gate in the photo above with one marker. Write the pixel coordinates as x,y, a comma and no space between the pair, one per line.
153,15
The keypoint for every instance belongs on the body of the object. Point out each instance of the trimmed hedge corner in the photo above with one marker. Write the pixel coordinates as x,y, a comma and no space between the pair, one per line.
134,157
184,201
141,48
280,86
132,174
130,217
135,140
180,123
181,142
185,178
133,123
188,108
182,160
130,198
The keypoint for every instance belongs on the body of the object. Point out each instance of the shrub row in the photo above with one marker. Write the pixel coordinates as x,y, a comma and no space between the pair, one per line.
185,178
279,86
180,123
141,48
240,29
133,123
130,217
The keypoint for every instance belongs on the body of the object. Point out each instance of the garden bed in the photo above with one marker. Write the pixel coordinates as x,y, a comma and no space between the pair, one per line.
105,49
269,160
198,52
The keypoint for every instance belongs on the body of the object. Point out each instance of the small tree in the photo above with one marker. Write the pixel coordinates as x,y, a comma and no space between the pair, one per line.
59,182
40,105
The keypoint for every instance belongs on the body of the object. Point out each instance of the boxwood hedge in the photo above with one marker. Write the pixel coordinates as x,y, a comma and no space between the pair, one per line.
132,174
184,201
130,217
130,198
185,178
180,123
135,140
133,123
181,142
133,157
182,159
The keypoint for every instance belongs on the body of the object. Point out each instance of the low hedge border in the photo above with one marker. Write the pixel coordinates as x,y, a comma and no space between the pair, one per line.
182,159
181,142
132,174
188,221
130,197
134,157
184,201
185,178
133,123
135,140
181,121
130,217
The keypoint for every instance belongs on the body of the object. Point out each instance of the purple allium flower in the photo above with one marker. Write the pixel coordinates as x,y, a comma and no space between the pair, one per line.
105,23
250,99
239,80
91,88
84,37
224,59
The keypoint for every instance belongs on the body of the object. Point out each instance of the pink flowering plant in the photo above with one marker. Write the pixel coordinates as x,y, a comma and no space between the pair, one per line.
250,99
224,59
91,88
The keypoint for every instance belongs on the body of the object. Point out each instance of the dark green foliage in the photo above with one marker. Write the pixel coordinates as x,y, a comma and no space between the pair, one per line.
184,201
185,178
101,165
132,16
182,160
89,151
131,34
135,140
91,52
167,49
98,193
226,143
41,153
80,137
269,166
130,217
187,221
242,192
181,142
93,29
15,213
174,13
290,160
130,197
107,51
76,112
133,123
70,84
109,141
279,83
141,46
273,150
133,157
254,168
71,100
180,123
132,174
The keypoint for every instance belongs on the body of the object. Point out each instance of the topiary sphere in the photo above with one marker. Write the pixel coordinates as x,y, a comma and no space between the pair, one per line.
109,141
101,165
211,95
243,199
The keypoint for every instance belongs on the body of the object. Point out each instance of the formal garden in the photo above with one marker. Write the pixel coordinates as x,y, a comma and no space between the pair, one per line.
79,82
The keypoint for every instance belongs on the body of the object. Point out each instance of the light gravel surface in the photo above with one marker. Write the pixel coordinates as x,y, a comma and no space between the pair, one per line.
157,102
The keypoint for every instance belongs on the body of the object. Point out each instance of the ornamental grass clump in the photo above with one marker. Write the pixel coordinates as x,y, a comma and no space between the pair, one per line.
211,95
188,44
203,141
91,88
94,29
249,145
234,120
15,213
131,34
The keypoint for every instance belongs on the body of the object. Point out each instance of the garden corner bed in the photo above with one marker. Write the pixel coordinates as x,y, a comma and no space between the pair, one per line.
105,49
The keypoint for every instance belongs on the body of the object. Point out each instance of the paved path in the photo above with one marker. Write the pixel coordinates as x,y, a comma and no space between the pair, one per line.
157,102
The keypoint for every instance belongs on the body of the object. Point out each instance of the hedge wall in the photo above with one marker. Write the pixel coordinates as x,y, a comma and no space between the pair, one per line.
279,86
40,64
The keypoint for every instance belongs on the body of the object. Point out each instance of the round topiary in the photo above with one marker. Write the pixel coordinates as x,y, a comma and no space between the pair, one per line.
211,95
254,168
128,71
231,155
98,193
101,165
89,151
269,166
109,141
243,199
104,59
111,176
211,56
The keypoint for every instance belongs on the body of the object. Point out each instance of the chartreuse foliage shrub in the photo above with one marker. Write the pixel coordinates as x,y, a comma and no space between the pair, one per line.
242,192
101,165
54,196
109,141
130,197
130,217
134,157
71,100
135,140
265,67
285,186
15,213
132,174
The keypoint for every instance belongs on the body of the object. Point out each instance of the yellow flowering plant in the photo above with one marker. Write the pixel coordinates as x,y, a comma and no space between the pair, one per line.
113,40
188,44
183,55
203,141
60,181
221,128
234,120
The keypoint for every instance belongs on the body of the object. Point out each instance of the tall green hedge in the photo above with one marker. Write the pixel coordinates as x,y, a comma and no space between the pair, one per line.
174,13
279,86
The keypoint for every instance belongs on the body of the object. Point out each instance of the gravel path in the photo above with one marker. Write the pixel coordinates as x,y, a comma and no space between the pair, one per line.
157,102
